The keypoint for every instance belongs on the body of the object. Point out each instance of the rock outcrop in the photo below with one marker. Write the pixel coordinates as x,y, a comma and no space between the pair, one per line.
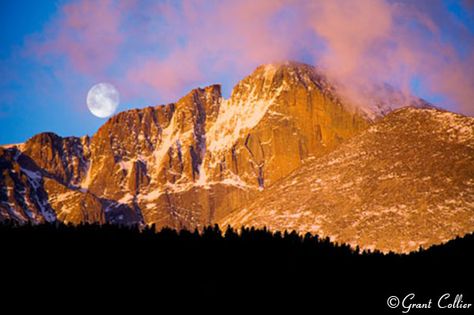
406,182
189,163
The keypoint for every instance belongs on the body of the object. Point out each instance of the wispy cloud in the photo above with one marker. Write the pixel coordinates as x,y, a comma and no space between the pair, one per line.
164,47
87,34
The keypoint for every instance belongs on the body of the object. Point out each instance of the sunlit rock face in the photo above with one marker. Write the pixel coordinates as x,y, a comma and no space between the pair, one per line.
406,182
63,159
189,163
41,188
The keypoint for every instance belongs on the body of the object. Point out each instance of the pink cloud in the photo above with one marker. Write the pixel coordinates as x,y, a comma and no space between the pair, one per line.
86,33
374,41
172,45
214,43
166,76
351,30
367,42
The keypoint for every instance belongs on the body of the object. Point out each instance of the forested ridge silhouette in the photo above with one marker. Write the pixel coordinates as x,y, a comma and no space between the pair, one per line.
246,265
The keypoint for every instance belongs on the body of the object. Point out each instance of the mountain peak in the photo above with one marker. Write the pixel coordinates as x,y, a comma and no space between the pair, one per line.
373,102
287,65
276,77
287,69
191,162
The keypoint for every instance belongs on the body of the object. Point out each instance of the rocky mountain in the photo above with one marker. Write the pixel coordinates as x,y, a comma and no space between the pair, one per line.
38,177
405,182
191,163
188,163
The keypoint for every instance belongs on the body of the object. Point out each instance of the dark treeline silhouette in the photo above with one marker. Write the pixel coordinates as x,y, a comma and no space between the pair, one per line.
102,264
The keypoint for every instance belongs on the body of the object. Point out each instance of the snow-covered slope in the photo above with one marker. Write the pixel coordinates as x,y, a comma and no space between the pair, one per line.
407,181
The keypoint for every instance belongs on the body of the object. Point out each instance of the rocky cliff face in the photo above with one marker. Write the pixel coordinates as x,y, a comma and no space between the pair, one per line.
22,196
406,182
189,163
38,179
64,159
185,164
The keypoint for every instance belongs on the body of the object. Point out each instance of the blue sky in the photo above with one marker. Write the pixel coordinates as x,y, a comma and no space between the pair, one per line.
24,108
52,52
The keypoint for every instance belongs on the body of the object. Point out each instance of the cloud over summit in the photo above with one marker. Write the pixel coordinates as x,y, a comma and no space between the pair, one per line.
157,50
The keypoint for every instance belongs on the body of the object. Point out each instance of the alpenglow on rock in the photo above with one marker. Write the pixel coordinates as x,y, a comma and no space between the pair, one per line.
406,182
191,163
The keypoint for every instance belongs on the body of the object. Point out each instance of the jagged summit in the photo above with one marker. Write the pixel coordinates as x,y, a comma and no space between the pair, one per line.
187,163
285,75
374,102
289,73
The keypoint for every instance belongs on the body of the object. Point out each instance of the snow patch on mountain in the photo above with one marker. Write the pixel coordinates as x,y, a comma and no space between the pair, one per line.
242,112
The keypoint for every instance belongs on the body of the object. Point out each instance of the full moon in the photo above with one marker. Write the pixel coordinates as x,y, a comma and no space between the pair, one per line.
103,99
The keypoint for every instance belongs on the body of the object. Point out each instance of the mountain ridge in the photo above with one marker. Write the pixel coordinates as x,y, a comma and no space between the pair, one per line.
185,164
405,182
